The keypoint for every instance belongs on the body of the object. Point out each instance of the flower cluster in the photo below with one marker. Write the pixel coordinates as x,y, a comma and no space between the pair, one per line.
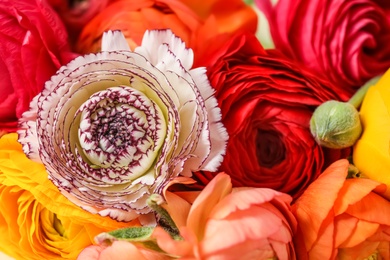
165,129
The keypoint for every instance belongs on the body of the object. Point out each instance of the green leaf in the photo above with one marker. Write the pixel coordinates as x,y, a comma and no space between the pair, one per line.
133,233
136,235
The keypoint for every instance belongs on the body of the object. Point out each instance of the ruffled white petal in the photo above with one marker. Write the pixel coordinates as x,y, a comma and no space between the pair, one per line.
114,41
27,134
168,47
218,134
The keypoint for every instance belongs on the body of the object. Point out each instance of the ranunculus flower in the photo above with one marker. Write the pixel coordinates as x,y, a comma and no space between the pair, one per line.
222,223
341,218
347,41
114,127
226,223
371,152
36,220
267,101
33,45
196,22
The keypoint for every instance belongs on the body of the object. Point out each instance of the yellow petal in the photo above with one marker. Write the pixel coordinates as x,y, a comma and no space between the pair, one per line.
36,220
371,152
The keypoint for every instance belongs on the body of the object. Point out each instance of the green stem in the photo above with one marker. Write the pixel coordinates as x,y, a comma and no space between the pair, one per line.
164,219
357,99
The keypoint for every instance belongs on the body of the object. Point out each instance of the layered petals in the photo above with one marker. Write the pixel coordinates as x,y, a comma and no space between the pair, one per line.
252,223
33,46
267,101
344,40
339,217
114,127
36,220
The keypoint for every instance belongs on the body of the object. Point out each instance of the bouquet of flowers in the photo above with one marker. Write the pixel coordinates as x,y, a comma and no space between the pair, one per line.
175,129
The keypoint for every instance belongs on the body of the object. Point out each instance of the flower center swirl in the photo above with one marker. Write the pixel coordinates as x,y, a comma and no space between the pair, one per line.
120,129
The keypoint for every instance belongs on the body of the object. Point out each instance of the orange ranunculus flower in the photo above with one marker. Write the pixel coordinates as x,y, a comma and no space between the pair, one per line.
36,220
226,223
371,152
196,22
341,218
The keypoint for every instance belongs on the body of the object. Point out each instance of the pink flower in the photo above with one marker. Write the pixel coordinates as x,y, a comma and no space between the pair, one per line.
217,223
244,223
347,41
33,45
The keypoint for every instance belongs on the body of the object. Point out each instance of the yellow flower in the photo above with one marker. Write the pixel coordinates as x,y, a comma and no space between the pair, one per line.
36,220
371,154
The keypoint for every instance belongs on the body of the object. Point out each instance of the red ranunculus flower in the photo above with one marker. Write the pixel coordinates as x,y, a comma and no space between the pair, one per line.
347,41
33,45
267,101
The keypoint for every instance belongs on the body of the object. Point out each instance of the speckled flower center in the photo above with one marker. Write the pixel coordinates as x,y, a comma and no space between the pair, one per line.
121,129
117,126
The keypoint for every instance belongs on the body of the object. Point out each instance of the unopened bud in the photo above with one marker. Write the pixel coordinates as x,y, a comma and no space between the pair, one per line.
336,124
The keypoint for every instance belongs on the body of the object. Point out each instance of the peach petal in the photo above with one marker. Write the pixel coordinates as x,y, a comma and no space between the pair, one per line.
177,208
364,230
244,199
121,250
353,191
244,251
347,225
366,209
316,203
324,247
188,196
252,224
174,247
351,231
363,251
211,195
91,253
282,251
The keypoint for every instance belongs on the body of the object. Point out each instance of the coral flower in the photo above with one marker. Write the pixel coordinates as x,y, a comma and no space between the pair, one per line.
36,220
217,223
244,223
341,218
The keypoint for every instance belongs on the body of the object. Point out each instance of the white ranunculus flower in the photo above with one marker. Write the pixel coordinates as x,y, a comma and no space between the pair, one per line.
114,127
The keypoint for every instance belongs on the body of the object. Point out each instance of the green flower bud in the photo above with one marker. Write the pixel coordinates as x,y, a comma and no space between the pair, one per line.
336,124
